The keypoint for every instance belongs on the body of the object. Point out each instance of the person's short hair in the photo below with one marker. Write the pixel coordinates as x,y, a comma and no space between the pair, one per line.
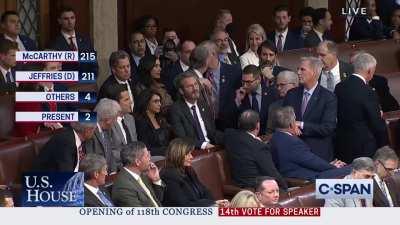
268,45
319,14
255,28
385,153
133,32
176,152
252,69
200,54
363,61
283,117
131,152
7,45
107,108
330,45
4,193
315,64
64,9
306,11
179,47
280,8
116,56
6,14
114,91
289,76
260,180
178,81
363,163
90,164
245,199
248,120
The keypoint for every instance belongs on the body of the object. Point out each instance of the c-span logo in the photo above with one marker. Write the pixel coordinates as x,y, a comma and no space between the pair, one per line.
344,188
53,189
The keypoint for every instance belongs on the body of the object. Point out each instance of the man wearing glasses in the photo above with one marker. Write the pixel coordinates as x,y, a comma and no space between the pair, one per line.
385,193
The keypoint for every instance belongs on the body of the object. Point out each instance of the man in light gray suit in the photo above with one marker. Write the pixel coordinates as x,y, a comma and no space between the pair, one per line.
102,143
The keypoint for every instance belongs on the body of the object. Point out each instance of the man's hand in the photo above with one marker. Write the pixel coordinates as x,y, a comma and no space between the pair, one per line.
338,164
222,203
240,94
298,128
267,73
153,173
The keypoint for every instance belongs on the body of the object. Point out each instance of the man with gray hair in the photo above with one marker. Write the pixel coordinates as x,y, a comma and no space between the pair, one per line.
101,143
386,193
360,127
315,108
363,168
94,168
221,38
293,157
138,184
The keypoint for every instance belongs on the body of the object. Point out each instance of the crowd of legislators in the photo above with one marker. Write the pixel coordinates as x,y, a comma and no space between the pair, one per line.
174,97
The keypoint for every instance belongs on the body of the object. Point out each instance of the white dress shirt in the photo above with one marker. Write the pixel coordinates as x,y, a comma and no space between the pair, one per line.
202,125
284,34
119,122
21,46
152,46
319,34
249,58
129,89
67,36
183,66
336,76
78,144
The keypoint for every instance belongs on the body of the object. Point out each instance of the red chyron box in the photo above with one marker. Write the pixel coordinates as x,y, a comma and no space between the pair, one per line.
269,212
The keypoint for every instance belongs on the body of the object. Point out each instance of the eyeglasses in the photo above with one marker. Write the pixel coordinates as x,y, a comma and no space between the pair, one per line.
389,170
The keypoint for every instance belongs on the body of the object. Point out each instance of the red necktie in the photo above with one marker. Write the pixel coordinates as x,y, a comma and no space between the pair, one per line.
81,152
72,44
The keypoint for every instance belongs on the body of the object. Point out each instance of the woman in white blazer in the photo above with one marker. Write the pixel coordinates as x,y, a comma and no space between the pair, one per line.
255,36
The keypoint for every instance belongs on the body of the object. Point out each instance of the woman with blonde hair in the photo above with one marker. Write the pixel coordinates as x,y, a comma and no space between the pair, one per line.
255,36
245,199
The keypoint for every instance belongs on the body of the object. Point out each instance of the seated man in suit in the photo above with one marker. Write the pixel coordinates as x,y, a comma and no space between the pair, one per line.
385,192
221,39
102,143
315,108
269,66
7,63
293,157
283,38
363,168
11,26
95,169
249,157
322,21
367,27
137,49
255,95
267,191
190,117
334,70
65,149
138,184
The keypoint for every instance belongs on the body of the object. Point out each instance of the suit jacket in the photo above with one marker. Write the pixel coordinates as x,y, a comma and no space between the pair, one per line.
360,127
91,200
345,70
28,43
108,83
127,192
185,189
379,198
102,144
118,138
234,59
319,119
294,159
292,40
58,154
312,39
249,158
362,30
168,78
7,87
182,122
386,100
134,67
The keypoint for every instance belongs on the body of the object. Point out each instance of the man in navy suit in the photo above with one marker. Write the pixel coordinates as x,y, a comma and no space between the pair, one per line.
284,38
137,49
255,95
294,158
7,64
11,26
315,108
322,21
70,40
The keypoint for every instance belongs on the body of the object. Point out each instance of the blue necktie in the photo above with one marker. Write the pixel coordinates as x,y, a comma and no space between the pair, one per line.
104,199
197,125
8,77
254,102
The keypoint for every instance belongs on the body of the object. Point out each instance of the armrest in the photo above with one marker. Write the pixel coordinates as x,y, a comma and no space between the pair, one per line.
296,182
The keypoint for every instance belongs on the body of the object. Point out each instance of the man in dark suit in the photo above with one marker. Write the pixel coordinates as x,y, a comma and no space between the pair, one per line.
322,21
11,26
249,157
137,49
65,149
221,39
69,40
360,127
95,169
380,85
315,108
367,27
255,95
283,38
102,143
7,63
190,117
138,184
268,54
334,70
293,157
224,21
385,192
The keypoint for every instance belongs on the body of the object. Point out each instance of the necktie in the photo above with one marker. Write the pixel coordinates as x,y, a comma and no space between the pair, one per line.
254,102
330,83
81,152
147,192
214,93
279,45
304,103
72,44
363,202
127,133
8,77
104,199
197,126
